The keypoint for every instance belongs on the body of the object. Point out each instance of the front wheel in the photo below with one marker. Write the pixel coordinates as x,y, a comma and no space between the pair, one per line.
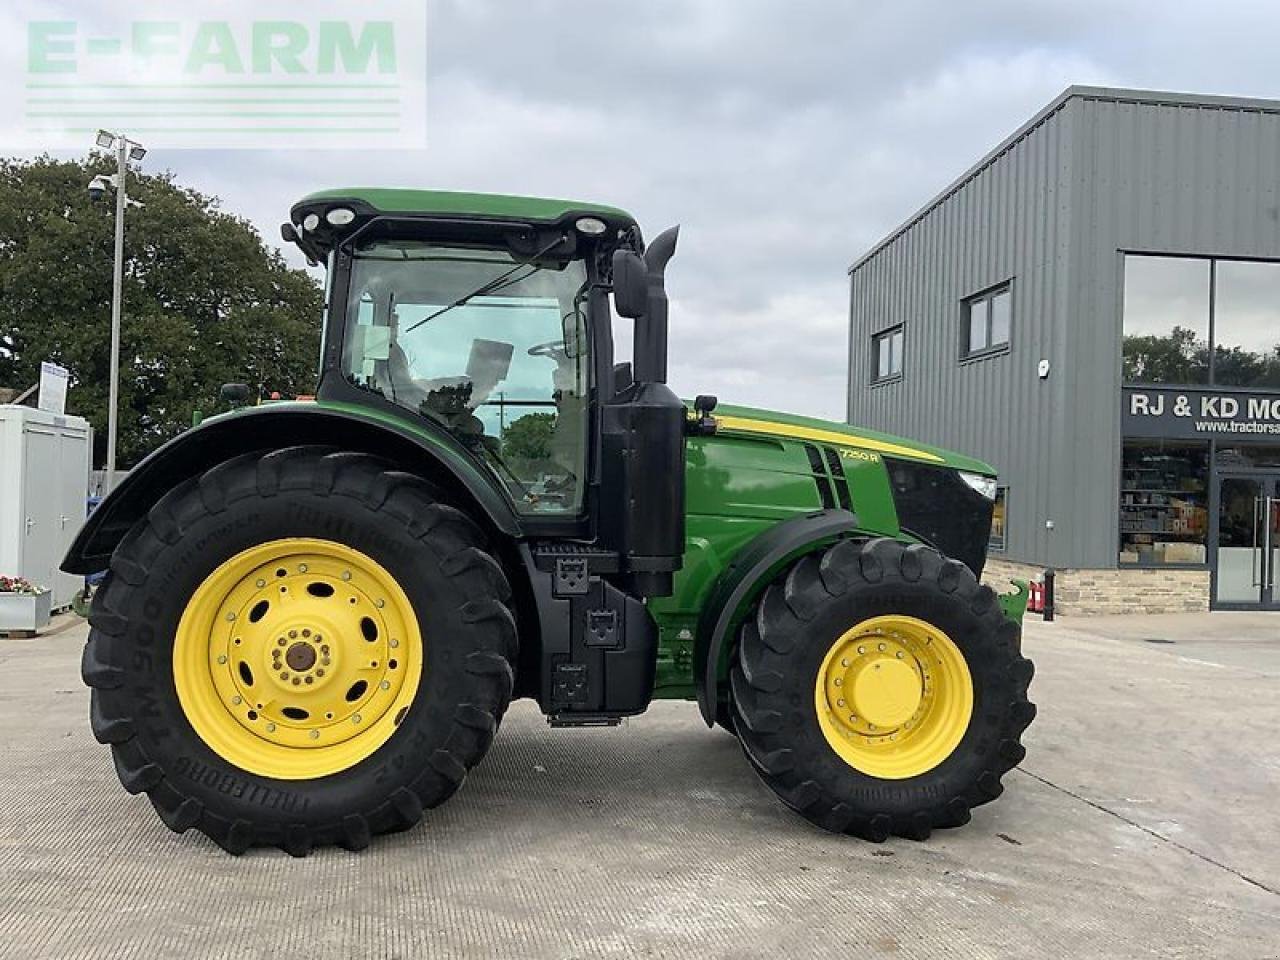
299,648
879,690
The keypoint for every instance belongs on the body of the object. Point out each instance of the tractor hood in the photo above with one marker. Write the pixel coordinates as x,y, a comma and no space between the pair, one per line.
733,419
896,487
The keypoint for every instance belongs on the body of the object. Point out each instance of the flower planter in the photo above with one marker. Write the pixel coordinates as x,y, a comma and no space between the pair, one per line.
25,611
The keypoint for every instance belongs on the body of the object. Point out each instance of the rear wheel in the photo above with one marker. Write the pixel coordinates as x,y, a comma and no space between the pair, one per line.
299,648
879,690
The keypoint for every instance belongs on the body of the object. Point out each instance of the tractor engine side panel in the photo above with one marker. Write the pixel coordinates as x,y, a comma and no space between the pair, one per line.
737,487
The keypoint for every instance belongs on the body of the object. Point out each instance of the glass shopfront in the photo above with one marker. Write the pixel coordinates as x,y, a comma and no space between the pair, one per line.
1199,481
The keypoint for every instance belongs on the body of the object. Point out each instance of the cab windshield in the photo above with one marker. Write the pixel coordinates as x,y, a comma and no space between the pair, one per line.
491,347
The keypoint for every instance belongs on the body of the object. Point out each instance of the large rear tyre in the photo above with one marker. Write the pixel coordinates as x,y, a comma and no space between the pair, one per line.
879,690
298,649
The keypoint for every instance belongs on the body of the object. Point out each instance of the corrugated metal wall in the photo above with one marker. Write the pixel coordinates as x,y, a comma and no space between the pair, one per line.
1010,220
1096,173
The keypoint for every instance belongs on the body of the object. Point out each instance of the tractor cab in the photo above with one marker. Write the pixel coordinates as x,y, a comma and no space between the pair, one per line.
488,320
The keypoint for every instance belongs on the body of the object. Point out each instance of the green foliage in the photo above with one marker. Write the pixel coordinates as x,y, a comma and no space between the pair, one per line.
1177,358
205,302
1181,357
528,440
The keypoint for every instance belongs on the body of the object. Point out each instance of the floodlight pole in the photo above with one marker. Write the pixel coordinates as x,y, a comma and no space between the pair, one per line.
117,289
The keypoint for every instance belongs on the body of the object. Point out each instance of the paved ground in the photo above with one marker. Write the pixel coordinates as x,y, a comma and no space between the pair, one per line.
1144,823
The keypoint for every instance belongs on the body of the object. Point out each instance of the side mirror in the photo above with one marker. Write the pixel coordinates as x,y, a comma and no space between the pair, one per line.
630,284
234,393
571,325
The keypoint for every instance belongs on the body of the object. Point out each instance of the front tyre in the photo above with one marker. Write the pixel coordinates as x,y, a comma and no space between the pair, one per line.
297,649
879,690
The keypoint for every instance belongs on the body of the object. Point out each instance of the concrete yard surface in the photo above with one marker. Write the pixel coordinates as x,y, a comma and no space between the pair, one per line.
1143,823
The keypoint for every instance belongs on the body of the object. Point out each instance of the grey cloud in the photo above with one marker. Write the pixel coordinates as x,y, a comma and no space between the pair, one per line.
785,137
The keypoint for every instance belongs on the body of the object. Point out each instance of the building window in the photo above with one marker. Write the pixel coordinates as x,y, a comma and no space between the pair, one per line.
987,319
1164,503
996,544
886,354
1175,307
1246,324
1166,320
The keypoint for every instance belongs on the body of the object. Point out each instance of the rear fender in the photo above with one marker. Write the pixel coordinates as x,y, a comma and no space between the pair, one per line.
436,458
742,581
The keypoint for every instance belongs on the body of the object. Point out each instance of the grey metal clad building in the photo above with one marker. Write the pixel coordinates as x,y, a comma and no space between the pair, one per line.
1094,308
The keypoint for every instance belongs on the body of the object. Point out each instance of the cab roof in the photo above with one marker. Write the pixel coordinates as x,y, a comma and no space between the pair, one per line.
455,204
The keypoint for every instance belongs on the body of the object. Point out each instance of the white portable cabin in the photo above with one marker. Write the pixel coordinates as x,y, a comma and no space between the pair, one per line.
44,485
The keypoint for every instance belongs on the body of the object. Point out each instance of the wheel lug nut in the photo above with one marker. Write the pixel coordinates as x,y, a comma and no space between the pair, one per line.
844,662
280,642
231,616
839,703
385,685
306,633
302,568
356,718
320,673
284,674
237,700
861,651
222,658
380,603
310,679
901,655
394,643
292,634
346,574
260,583
882,648
315,734
839,682
271,728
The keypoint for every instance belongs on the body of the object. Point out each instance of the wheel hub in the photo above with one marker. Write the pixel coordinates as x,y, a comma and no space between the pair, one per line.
887,692
893,696
310,655
301,656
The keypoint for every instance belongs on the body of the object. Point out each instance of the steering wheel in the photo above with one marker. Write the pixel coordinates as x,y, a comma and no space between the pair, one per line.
552,349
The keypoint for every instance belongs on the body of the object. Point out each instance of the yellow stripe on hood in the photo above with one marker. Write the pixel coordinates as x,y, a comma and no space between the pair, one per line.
794,432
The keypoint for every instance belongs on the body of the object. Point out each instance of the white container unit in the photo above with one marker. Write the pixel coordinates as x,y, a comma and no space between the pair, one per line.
44,483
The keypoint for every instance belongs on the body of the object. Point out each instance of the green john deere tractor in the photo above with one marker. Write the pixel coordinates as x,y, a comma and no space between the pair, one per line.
316,613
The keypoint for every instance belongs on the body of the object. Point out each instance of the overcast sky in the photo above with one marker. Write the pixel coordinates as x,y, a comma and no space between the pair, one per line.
784,137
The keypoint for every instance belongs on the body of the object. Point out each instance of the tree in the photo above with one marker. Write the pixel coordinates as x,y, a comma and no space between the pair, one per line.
205,302
527,441
1180,357
1177,358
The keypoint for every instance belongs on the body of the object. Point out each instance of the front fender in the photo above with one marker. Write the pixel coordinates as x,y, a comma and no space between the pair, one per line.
418,448
742,581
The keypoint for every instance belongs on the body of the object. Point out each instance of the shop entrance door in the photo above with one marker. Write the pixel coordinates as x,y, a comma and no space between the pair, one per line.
1248,549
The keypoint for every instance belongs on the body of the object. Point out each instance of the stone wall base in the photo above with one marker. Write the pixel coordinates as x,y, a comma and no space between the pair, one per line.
1097,592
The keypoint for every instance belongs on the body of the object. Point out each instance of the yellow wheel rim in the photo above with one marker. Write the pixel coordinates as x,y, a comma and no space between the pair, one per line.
297,658
893,697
